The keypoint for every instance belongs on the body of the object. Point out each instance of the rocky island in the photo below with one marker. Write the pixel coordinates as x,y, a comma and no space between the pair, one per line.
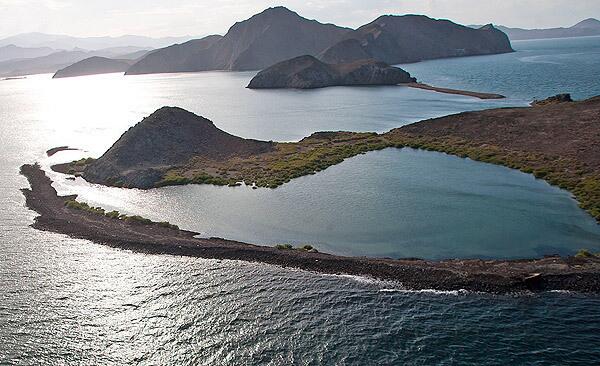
92,66
307,72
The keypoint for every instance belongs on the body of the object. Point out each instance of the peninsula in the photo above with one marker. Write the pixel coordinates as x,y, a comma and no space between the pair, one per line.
554,140
67,216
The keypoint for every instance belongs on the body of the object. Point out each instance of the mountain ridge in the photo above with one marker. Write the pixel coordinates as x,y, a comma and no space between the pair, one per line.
253,44
278,34
584,28
66,42
396,39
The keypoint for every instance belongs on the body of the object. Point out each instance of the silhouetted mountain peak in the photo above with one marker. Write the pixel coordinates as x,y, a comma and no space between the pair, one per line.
588,23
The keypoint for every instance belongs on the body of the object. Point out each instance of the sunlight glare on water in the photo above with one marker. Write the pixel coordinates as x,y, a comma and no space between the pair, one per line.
68,301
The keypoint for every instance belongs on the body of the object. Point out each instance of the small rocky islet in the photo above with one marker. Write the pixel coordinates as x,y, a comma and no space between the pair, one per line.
93,66
307,72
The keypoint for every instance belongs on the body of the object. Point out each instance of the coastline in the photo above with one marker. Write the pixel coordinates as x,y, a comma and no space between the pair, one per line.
495,276
553,140
455,91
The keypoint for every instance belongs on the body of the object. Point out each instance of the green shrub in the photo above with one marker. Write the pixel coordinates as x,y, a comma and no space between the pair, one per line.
138,220
84,161
167,225
584,253
113,214
284,246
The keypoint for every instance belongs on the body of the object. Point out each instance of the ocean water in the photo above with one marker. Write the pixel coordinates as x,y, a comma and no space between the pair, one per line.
67,301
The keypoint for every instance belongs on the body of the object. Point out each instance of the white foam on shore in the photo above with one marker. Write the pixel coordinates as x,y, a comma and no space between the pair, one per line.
428,291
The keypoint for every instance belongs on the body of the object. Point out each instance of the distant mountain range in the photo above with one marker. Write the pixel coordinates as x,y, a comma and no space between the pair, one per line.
62,42
60,59
274,35
587,27
12,52
278,34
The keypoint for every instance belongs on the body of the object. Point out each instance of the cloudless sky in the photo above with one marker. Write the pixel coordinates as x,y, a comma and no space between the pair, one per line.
201,17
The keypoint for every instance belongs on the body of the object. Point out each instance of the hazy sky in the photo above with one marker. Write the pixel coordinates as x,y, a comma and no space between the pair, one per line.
201,17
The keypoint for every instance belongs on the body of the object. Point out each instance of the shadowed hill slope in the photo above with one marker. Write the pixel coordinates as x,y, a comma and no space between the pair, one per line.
93,65
411,38
168,137
569,130
271,36
306,72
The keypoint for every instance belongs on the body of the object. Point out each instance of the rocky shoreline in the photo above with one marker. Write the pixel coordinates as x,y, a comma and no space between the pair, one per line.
495,276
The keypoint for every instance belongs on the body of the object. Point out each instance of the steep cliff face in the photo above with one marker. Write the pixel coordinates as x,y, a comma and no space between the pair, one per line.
168,137
306,72
269,37
412,38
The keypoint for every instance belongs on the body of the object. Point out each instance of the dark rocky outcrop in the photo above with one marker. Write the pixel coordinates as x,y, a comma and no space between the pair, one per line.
306,72
168,137
272,36
93,65
412,38
558,98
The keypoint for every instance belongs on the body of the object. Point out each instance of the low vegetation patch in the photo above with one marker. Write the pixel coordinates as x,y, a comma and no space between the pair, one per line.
568,174
584,253
303,248
286,162
324,149
116,215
